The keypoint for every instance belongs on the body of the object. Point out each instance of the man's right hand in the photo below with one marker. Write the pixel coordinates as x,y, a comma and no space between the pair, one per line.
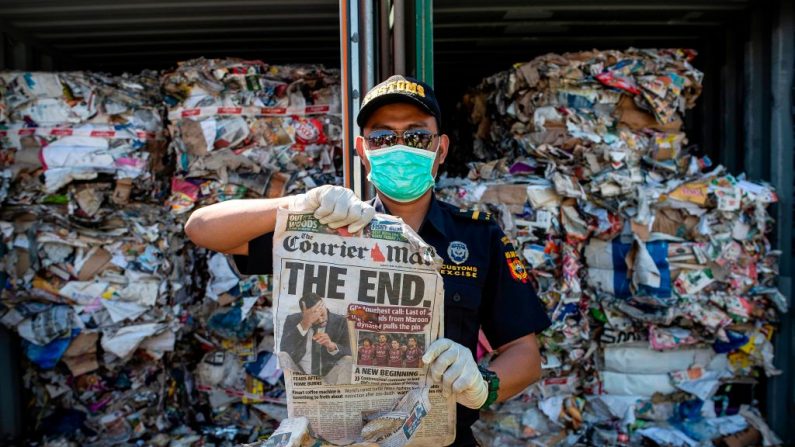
310,316
325,340
336,207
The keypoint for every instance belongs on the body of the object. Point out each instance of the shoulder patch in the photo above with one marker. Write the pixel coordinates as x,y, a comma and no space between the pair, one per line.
517,270
515,265
483,216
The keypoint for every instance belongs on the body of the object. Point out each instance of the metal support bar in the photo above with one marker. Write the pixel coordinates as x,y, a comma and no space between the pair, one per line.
423,40
399,35
781,392
367,40
384,41
349,65
357,40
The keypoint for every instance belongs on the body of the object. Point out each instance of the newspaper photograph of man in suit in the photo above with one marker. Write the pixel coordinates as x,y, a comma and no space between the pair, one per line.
316,341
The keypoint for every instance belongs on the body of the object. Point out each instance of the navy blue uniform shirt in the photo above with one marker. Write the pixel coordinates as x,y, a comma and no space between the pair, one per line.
485,283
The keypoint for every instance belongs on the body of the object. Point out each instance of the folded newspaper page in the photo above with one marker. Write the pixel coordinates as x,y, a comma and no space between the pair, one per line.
394,428
353,315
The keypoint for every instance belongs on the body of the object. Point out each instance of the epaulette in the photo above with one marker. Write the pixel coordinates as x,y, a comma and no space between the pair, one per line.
483,216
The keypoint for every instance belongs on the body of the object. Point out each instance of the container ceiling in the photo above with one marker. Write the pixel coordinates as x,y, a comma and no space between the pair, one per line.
502,32
134,34
472,38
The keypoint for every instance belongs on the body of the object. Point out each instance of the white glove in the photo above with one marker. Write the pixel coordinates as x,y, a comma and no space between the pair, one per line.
452,366
336,207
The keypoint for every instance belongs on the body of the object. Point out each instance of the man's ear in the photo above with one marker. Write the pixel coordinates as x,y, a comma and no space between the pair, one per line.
359,144
441,153
444,144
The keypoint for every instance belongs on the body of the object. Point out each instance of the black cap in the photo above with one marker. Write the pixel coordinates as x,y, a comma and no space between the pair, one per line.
400,89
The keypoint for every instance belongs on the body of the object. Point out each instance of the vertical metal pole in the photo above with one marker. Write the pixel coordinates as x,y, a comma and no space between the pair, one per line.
351,86
781,392
367,40
399,36
356,94
384,41
423,13
345,90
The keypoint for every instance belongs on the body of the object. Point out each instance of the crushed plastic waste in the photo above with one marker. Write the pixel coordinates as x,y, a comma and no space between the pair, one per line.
654,265
132,335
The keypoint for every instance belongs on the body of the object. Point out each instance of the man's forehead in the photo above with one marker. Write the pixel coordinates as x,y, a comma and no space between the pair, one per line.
398,116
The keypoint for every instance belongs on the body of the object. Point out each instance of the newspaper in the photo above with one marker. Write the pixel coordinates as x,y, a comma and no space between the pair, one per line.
393,428
353,315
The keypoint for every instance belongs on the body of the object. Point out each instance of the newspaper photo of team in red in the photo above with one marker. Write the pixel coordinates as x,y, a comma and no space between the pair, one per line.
390,350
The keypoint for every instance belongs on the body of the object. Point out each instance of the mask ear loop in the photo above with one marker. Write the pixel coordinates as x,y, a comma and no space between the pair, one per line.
435,157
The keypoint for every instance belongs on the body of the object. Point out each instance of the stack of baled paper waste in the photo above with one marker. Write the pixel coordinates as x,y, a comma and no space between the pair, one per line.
655,266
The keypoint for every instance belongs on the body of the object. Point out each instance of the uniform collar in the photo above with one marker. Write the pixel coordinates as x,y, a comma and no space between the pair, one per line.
435,215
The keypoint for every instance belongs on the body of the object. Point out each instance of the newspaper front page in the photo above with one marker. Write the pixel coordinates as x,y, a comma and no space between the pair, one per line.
353,315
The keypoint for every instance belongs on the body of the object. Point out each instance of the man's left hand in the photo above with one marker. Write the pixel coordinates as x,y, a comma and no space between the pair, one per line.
452,366
336,207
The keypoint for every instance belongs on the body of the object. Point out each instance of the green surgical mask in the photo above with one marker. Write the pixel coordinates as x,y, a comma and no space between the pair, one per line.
400,172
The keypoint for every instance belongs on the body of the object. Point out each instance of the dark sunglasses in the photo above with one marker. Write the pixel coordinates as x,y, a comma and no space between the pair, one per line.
416,138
